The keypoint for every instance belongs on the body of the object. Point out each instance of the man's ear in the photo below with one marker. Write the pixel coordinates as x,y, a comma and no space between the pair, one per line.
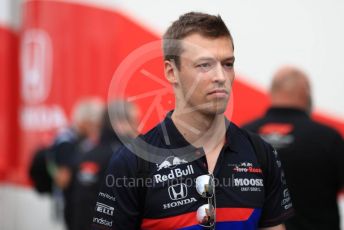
171,71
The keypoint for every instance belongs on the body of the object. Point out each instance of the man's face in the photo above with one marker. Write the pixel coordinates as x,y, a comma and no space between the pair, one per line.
206,74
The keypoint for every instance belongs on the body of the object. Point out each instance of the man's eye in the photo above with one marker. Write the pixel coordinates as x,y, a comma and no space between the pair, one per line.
204,66
228,65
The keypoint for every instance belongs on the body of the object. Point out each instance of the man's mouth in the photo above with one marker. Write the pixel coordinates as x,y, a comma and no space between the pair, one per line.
218,93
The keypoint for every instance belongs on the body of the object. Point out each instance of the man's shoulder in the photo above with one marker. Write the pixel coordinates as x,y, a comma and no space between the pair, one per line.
244,137
122,161
66,136
99,153
323,129
123,153
246,133
254,125
152,137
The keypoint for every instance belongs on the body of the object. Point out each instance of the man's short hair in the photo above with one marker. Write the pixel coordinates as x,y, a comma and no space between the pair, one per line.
207,25
88,109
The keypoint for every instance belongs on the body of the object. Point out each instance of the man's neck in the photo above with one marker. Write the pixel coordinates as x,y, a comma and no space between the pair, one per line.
201,130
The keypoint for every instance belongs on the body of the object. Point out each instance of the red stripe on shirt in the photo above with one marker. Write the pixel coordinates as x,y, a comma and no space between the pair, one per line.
189,219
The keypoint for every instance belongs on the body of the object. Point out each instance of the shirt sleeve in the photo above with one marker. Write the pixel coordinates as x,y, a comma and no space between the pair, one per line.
277,206
117,205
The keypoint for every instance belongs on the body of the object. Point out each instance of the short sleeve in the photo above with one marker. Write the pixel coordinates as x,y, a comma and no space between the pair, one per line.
117,205
277,205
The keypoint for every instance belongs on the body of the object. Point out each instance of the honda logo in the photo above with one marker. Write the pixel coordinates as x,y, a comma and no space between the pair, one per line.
36,65
178,191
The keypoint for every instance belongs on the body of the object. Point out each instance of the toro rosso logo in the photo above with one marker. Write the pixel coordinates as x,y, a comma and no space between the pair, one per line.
170,162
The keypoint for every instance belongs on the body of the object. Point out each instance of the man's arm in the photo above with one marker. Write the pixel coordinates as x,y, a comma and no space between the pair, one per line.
62,177
63,162
278,227
117,206
277,206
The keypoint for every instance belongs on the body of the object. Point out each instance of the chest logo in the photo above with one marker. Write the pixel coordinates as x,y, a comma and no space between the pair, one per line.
170,162
178,194
246,167
178,191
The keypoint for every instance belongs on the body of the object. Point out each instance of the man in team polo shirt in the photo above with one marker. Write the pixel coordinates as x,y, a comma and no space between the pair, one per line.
199,170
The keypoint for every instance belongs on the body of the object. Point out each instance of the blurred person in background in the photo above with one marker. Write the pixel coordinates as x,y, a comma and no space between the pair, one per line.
69,145
312,154
119,121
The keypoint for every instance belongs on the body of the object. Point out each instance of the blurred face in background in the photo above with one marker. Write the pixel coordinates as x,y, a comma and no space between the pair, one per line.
126,125
87,118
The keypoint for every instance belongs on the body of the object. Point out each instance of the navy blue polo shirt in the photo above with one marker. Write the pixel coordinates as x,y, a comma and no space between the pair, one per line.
246,195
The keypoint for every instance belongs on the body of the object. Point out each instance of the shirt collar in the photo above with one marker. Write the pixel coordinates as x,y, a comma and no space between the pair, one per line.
175,141
233,137
276,111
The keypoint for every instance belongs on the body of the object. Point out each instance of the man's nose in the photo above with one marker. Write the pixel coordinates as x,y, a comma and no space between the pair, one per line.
219,74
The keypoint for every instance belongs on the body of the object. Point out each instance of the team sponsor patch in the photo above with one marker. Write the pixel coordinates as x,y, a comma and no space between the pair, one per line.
173,174
103,208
